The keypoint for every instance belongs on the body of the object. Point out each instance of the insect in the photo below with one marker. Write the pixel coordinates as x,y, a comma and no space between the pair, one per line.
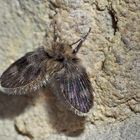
58,67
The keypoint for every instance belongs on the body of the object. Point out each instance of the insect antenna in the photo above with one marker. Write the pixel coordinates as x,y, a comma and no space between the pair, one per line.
56,36
81,40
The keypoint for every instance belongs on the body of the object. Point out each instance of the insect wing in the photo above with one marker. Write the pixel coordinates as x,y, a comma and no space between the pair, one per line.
26,74
73,87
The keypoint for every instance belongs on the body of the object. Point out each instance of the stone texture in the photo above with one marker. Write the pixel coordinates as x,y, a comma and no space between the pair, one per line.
126,130
111,55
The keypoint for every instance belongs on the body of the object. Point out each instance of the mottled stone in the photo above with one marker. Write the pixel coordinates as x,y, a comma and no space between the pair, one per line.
111,55
127,130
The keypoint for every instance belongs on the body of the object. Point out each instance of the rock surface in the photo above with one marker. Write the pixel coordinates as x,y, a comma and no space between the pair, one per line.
111,55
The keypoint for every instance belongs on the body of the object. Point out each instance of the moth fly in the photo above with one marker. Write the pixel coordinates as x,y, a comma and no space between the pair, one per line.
58,67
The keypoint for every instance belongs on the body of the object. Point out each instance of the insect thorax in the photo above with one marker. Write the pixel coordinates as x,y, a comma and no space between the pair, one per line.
62,52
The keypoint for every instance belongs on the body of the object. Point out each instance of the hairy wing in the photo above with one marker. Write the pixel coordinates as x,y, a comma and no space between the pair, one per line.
26,74
73,87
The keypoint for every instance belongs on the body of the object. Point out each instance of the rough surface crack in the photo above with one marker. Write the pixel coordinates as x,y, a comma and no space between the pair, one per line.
112,13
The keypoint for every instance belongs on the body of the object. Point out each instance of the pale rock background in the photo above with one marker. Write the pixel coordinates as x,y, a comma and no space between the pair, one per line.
111,55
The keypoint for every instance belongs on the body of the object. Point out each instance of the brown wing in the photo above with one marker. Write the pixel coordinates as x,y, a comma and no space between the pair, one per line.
73,87
26,74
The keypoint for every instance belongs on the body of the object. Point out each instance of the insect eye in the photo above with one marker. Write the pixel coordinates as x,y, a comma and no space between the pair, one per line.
60,58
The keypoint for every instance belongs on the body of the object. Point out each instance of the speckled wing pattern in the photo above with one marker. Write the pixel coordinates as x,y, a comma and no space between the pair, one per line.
72,87
26,74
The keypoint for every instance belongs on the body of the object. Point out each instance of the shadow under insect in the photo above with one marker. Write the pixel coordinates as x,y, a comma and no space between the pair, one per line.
12,106
63,120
